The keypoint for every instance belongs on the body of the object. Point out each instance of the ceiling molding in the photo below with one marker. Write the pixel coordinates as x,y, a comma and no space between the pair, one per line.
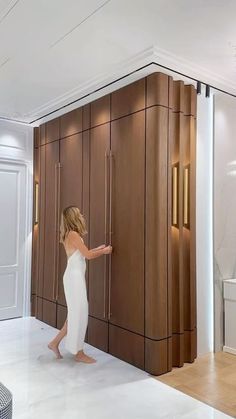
193,70
115,71
149,55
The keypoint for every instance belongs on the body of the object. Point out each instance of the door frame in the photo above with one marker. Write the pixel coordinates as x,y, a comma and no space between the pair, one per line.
28,165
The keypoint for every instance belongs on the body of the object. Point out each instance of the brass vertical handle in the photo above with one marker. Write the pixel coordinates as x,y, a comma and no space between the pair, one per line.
186,196
36,204
55,237
105,234
110,230
175,195
58,227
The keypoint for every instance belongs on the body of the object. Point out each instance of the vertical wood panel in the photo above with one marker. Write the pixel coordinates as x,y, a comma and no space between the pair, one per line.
42,135
39,308
177,120
50,269
71,181
100,111
99,145
188,232
61,316
126,345
127,271
156,288
98,333
49,313
129,99
86,116
156,356
41,225
35,232
71,123
158,89
85,200
52,130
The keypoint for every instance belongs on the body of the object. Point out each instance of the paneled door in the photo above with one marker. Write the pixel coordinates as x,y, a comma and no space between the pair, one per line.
126,296
71,177
98,226
12,237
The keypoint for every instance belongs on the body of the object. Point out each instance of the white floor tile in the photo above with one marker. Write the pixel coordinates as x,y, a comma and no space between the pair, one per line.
46,388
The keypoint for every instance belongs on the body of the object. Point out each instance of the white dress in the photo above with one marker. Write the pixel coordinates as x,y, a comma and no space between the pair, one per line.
77,303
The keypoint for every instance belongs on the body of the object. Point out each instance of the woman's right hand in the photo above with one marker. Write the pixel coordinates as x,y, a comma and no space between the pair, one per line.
107,250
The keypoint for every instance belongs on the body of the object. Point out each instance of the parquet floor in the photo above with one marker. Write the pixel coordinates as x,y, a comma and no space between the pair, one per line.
210,379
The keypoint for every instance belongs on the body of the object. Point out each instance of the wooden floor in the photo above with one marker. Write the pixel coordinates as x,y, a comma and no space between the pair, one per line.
210,379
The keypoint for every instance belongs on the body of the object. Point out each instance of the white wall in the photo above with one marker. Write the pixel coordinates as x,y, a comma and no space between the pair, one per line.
16,147
204,191
224,202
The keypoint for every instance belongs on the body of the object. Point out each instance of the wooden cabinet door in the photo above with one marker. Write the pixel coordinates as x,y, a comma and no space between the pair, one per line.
99,146
50,222
41,225
71,172
128,188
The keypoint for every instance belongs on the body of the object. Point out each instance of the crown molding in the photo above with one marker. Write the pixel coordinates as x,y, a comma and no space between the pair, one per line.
150,55
114,72
192,69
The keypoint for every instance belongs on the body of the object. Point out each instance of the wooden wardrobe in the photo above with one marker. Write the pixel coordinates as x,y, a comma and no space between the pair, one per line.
127,160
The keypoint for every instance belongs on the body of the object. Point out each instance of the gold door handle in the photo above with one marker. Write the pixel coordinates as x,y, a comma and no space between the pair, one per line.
58,228
55,233
186,196
110,231
105,234
175,195
36,204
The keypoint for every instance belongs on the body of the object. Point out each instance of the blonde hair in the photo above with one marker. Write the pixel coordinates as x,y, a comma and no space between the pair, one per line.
72,220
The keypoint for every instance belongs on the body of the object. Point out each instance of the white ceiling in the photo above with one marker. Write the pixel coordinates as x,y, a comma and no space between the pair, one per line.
55,51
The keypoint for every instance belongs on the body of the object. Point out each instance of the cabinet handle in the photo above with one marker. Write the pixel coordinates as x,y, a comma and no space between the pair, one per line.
175,195
110,231
58,227
55,241
186,196
105,234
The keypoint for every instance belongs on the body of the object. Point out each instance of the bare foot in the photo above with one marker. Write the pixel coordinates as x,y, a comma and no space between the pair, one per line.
82,357
55,349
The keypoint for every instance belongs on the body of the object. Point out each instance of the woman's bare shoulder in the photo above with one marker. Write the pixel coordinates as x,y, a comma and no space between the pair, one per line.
73,236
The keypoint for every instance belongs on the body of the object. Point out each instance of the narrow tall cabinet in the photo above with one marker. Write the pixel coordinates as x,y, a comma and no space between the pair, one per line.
127,160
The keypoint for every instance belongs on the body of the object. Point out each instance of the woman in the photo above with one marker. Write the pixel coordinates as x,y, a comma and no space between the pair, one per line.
71,232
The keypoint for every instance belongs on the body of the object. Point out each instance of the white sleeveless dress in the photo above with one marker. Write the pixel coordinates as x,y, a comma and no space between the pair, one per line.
77,303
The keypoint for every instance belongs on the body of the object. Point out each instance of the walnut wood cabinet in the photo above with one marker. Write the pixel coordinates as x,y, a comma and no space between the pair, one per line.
127,160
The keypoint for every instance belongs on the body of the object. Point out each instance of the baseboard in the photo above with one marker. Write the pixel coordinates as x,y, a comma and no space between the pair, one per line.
229,350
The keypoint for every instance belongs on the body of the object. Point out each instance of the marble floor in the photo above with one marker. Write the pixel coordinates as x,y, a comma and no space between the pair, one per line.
44,387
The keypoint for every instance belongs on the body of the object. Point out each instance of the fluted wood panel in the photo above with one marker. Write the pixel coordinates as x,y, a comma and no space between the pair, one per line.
183,251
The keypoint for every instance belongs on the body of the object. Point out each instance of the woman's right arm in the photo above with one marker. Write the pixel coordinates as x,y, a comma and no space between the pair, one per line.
77,243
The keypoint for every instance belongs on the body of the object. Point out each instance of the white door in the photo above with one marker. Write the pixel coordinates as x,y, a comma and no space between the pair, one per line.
12,238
